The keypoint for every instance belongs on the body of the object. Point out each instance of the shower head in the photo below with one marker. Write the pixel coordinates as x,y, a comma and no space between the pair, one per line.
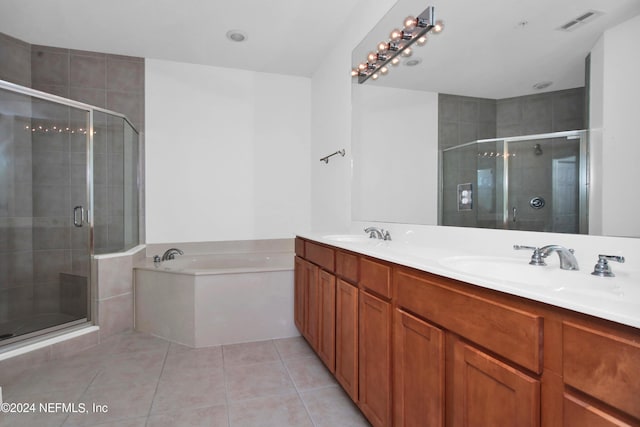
537,149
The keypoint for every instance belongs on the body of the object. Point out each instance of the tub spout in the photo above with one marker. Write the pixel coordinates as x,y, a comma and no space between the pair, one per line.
171,253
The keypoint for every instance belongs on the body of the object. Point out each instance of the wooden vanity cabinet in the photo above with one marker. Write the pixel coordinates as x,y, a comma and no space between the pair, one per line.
314,298
327,319
418,372
347,337
480,387
416,349
374,341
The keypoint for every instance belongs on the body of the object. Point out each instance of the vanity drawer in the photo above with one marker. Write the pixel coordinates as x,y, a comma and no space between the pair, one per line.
347,266
603,365
507,331
320,255
375,277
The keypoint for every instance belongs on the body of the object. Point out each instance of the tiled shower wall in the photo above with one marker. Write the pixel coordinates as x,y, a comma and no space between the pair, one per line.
37,240
465,119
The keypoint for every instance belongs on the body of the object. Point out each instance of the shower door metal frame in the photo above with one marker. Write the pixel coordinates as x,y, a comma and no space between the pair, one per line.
15,88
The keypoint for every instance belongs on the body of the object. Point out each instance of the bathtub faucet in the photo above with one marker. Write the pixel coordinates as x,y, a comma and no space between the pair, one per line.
171,253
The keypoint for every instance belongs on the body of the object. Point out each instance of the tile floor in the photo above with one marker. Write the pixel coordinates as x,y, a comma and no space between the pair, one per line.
146,381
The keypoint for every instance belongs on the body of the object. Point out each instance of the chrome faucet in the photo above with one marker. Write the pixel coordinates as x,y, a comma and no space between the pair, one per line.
171,253
378,233
567,260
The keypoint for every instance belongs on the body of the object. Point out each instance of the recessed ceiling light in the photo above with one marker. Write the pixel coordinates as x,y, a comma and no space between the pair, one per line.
412,62
542,85
237,35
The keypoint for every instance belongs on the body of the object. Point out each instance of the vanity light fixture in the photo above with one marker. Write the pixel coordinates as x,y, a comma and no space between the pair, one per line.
415,30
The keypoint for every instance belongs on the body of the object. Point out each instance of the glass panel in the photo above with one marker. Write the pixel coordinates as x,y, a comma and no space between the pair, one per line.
543,188
44,259
535,183
115,159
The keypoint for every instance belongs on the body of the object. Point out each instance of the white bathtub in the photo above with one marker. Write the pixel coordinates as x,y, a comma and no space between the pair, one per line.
207,300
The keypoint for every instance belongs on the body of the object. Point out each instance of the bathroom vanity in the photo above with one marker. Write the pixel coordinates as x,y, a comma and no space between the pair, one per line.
414,345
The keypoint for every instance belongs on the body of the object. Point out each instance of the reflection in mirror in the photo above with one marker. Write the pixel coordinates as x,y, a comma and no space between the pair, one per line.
535,183
519,74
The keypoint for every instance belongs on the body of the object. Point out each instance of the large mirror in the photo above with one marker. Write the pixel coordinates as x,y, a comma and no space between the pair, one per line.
483,113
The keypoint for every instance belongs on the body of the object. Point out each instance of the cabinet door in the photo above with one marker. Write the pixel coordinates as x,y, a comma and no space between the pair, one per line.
578,413
299,297
327,315
487,392
418,372
347,337
311,304
374,359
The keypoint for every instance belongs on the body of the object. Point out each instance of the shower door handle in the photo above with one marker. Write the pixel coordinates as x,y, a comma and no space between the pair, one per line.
78,220
515,211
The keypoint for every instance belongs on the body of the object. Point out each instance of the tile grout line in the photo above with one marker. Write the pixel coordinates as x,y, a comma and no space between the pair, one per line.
155,392
226,388
295,386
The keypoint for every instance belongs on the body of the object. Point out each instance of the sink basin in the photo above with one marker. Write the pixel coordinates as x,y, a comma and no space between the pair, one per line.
514,270
348,237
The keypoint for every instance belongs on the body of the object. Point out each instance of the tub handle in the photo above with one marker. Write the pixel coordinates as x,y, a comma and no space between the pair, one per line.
78,220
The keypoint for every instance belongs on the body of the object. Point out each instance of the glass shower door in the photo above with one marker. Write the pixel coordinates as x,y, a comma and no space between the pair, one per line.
44,235
543,183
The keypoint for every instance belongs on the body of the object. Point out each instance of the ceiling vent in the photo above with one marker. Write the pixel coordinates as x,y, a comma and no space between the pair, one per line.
584,18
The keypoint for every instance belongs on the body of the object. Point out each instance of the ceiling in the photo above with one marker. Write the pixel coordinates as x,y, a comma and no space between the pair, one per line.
498,48
485,50
283,36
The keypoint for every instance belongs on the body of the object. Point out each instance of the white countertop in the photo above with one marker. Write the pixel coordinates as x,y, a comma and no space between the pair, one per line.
495,265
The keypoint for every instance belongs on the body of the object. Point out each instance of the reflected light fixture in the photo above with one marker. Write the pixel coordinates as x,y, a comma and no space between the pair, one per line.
414,30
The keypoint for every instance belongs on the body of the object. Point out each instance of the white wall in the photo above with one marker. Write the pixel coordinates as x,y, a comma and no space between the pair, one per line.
331,122
615,110
395,146
226,154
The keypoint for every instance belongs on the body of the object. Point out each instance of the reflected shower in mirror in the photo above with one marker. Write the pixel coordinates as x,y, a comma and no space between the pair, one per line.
524,72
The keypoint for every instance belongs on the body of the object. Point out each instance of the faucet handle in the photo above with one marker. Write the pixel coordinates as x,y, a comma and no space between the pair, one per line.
536,256
602,267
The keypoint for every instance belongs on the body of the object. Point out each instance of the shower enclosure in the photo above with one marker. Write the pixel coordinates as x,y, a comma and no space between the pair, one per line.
68,190
533,182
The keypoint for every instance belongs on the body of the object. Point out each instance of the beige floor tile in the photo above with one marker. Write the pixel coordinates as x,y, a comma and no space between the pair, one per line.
331,407
50,376
213,416
133,422
257,380
248,353
186,362
189,392
137,368
290,348
273,411
309,373
122,402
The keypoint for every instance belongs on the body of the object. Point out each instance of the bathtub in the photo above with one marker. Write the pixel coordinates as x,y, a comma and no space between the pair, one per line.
214,299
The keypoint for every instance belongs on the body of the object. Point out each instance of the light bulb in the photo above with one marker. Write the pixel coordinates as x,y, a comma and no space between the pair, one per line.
372,57
383,46
395,35
375,76
362,66
410,22
407,52
421,41
438,27
395,61
384,70
354,72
